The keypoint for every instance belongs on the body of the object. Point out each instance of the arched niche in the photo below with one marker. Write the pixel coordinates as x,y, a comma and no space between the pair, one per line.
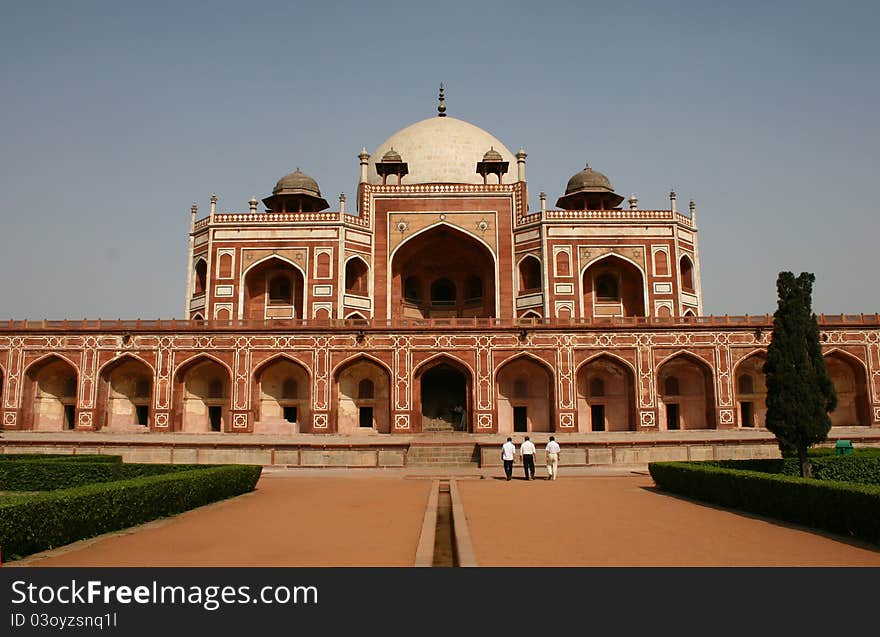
433,271
355,412
687,396
613,287
851,385
273,289
750,387
525,396
50,395
125,395
202,390
356,277
281,397
605,395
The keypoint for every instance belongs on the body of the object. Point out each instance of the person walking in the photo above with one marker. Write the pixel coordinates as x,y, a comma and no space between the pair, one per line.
508,449
552,450
527,451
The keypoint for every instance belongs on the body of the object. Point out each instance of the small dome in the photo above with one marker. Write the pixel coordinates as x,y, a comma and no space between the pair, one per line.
589,190
297,183
588,179
492,155
392,156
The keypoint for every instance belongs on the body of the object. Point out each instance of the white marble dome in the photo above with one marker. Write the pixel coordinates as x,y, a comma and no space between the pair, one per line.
442,150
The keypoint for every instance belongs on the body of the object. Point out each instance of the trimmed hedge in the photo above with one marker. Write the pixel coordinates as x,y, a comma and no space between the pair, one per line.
860,467
840,507
58,457
47,476
32,523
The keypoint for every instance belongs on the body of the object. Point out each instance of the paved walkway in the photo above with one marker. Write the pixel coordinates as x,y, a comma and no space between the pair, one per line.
591,516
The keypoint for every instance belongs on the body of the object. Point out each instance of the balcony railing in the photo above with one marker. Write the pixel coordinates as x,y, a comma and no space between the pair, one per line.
172,325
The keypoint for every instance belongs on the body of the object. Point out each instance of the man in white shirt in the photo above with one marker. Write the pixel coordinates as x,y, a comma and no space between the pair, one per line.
507,451
552,450
527,451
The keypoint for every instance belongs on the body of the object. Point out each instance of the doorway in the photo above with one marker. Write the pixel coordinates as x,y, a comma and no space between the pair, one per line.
747,414
215,415
365,417
520,419
597,417
672,417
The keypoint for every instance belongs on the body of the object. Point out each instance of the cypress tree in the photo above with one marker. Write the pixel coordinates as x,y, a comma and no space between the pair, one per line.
800,393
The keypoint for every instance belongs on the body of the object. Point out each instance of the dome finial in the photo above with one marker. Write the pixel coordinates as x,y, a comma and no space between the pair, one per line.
441,107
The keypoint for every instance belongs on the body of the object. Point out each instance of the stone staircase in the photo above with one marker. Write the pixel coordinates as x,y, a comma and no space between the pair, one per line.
439,455
437,425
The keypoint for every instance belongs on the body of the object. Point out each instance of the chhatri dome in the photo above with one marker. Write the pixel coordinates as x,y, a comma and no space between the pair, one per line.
441,149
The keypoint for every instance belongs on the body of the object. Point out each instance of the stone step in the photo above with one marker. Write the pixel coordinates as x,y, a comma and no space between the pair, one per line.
440,456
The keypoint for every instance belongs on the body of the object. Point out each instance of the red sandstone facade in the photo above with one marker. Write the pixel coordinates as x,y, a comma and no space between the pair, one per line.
444,303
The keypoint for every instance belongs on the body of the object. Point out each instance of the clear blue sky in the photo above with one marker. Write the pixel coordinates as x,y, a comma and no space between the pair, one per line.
116,116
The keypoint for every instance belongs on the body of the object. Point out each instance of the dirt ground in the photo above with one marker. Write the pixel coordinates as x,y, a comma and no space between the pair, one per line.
335,519
625,521
300,521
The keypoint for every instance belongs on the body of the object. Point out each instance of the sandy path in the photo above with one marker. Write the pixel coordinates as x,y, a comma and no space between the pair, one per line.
288,521
624,521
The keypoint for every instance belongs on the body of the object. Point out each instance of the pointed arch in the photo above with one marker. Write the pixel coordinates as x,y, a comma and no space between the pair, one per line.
353,413
849,374
750,388
254,292
357,276
436,359
614,408
281,390
693,406
441,251
50,393
686,274
196,404
354,358
606,354
38,362
443,393
126,386
530,271
631,282
200,278
355,316
533,411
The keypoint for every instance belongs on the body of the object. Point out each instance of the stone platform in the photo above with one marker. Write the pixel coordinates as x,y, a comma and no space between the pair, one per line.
440,451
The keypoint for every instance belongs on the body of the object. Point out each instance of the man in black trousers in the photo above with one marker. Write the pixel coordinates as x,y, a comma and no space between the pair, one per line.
527,451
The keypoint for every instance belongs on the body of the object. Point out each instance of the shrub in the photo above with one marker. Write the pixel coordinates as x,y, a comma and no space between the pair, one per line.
58,457
31,523
57,473
840,507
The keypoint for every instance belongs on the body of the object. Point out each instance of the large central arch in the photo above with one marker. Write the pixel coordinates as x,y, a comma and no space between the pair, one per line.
444,395
442,272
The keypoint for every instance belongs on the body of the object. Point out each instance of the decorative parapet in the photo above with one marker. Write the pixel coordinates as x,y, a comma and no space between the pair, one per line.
607,215
844,321
455,189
